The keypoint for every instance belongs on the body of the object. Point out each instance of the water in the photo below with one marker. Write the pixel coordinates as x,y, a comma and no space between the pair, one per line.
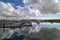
48,25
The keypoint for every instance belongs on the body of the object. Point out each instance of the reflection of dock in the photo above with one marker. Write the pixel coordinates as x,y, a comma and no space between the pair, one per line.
24,23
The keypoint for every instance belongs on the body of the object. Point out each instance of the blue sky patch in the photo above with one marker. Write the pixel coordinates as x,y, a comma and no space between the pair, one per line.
15,2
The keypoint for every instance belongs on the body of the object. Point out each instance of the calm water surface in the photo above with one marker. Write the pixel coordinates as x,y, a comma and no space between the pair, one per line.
48,25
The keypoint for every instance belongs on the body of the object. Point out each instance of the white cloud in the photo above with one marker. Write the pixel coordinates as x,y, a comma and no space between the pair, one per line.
45,6
7,9
31,2
24,12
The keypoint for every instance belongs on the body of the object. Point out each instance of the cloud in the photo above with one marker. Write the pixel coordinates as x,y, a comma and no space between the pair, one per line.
24,11
45,6
27,12
6,9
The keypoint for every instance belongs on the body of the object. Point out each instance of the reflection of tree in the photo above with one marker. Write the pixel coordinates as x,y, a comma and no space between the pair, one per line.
46,34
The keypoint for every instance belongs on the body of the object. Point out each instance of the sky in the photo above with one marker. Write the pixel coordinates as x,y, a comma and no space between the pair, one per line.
23,7
15,2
